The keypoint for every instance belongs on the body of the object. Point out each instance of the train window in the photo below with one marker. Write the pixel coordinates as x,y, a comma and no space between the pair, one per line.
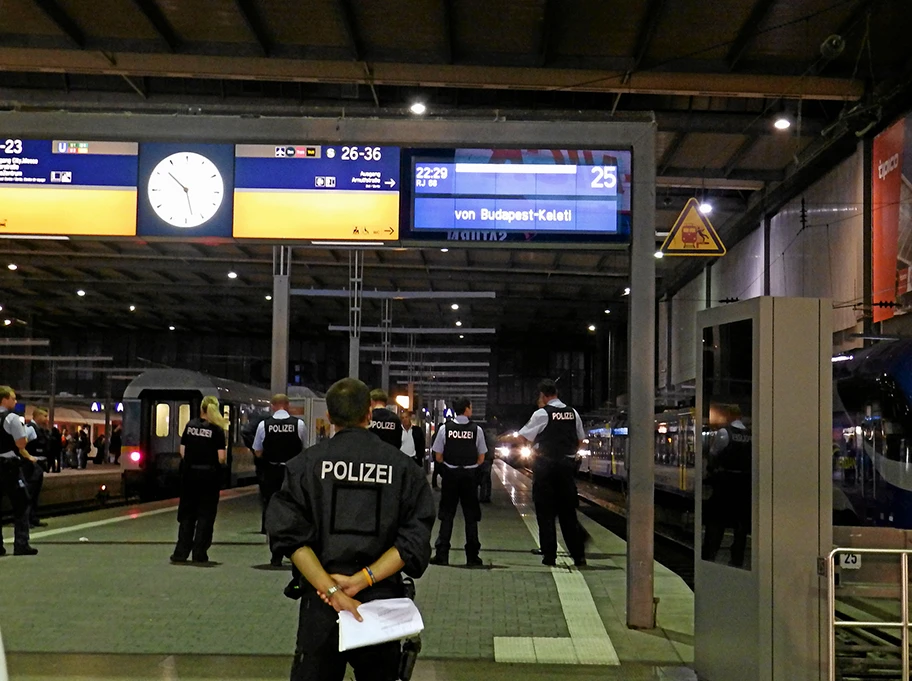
183,417
162,419
226,412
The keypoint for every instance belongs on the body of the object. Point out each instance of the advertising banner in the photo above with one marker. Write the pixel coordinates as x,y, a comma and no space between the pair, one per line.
891,226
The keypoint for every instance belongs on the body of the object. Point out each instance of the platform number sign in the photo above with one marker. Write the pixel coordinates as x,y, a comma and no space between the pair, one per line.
850,561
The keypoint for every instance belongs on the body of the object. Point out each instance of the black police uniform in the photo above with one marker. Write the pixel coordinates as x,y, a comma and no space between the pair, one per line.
387,426
200,485
350,499
33,473
281,443
729,505
554,484
459,486
12,484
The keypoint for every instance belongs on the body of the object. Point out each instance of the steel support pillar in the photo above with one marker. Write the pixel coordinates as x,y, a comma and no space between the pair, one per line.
355,291
386,323
867,290
641,362
281,286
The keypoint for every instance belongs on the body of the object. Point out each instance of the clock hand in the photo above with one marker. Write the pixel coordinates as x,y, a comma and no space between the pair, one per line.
178,181
188,201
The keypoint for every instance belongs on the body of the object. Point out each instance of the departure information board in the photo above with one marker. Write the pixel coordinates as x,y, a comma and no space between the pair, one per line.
68,187
461,193
307,191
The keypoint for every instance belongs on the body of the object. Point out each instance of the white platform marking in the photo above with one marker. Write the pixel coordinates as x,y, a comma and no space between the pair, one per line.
589,642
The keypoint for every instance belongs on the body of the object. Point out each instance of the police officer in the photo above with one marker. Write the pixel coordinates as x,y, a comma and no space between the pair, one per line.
383,421
460,448
38,445
278,438
351,514
12,454
557,432
203,451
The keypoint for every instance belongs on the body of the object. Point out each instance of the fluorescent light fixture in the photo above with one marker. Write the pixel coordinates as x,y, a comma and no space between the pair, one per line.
782,123
268,297
842,358
454,306
592,327
36,237
80,293
232,275
444,250
607,311
627,291
418,108
12,267
706,208
132,308
659,255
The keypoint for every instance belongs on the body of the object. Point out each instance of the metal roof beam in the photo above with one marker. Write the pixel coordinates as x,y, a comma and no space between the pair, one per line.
154,15
719,174
347,19
254,23
62,20
418,330
440,374
748,32
449,36
647,32
423,365
670,151
546,34
31,342
739,155
432,350
59,358
394,295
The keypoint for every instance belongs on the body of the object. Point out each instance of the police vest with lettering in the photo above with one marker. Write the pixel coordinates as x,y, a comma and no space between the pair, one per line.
559,438
201,441
38,446
7,443
459,448
386,425
281,441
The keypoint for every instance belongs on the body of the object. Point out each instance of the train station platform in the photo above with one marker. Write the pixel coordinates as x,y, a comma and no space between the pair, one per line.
101,601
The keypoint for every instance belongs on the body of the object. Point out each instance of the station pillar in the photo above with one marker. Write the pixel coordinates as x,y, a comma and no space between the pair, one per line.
355,291
764,498
281,298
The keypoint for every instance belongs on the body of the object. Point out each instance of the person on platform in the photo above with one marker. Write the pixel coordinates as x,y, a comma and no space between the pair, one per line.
413,443
203,452
460,448
12,485
384,423
38,444
484,470
351,514
115,444
557,433
279,438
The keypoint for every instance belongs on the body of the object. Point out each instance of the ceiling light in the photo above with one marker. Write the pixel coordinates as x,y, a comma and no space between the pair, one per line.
7,322
592,327
444,250
454,306
12,267
782,123
132,308
627,291
232,275
418,108
80,293
659,255
170,328
458,323
268,297
706,208
461,336
1,308
607,311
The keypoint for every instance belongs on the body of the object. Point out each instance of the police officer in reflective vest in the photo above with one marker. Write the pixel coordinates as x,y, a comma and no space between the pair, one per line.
351,514
558,433
38,444
460,448
383,421
12,485
278,439
203,451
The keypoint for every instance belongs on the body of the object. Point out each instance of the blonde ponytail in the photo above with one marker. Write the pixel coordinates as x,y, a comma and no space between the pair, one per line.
210,407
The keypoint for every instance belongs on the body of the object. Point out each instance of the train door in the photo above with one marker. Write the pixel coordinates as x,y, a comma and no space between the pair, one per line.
166,416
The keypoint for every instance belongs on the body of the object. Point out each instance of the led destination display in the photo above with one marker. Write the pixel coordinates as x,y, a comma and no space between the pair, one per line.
68,187
530,191
302,191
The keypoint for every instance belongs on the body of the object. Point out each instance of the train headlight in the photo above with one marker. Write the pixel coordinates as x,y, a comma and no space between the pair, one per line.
135,457
503,451
525,452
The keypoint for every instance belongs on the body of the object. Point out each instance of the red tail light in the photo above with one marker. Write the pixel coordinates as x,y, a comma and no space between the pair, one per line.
135,457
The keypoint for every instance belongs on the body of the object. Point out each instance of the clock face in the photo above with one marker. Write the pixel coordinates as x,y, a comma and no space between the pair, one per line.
186,189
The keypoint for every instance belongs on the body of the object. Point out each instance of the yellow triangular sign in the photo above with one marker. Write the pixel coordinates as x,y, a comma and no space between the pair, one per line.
692,234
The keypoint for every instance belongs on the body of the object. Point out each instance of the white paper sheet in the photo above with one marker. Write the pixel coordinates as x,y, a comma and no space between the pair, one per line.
389,619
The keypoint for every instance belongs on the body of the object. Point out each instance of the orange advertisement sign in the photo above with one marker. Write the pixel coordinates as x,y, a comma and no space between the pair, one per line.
886,194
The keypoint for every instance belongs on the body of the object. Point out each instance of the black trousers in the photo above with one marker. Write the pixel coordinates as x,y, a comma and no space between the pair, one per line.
317,656
12,485
271,478
484,481
33,474
436,474
554,496
196,512
459,487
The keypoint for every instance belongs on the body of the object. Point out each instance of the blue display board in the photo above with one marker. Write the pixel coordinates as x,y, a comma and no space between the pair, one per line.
527,194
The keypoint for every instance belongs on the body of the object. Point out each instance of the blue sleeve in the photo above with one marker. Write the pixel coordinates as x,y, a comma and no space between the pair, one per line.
439,440
535,426
480,443
260,436
302,433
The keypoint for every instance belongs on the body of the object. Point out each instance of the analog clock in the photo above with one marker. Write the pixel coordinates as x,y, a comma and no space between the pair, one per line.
186,189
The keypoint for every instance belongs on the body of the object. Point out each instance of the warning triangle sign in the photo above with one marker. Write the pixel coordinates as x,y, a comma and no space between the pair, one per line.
692,234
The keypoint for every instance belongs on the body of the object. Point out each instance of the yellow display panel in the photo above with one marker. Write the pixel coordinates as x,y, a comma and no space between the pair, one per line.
70,211
349,215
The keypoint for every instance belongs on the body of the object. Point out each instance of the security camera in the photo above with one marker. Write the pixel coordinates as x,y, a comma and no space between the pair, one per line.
832,47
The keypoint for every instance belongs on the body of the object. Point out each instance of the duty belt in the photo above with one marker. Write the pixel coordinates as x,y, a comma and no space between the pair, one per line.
449,465
201,467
